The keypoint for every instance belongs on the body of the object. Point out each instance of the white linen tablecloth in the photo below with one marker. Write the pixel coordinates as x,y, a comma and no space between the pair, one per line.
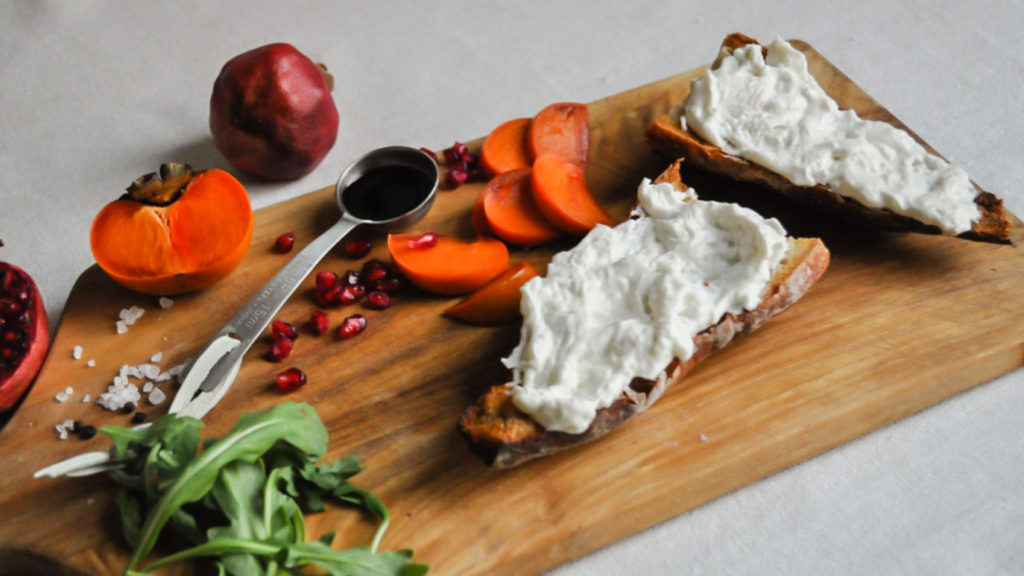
93,94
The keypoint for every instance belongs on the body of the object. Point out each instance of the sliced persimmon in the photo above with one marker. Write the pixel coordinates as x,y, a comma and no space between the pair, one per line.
478,219
511,213
497,302
505,148
451,266
173,232
560,193
562,128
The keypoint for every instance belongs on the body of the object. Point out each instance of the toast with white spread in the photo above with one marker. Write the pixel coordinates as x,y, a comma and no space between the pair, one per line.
758,116
631,310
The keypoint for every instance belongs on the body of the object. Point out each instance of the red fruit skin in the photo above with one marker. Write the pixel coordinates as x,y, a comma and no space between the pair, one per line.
17,384
271,113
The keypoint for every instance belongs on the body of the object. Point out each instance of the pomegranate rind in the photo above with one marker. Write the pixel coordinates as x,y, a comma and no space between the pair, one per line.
15,385
188,246
272,114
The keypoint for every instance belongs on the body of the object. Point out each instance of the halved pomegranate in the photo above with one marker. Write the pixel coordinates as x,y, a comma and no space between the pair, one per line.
24,334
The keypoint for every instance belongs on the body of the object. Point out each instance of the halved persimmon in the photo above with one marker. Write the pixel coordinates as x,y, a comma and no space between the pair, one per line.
174,231
511,214
505,148
560,193
562,128
497,302
450,266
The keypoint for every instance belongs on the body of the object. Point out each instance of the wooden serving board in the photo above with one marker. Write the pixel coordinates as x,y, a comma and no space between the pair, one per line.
897,324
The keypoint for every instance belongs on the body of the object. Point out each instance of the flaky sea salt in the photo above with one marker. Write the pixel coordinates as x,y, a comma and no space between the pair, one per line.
127,317
63,428
87,398
91,363
76,352
64,394
147,387
156,357
118,394
165,302
157,397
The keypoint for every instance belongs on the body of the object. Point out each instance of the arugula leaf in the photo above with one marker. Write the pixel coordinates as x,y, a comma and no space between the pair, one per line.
358,561
252,435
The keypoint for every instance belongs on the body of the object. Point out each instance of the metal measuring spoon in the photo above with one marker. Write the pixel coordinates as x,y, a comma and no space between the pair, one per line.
211,371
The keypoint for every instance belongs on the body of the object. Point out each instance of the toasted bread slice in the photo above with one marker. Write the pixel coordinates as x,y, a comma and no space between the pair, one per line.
667,136
504,436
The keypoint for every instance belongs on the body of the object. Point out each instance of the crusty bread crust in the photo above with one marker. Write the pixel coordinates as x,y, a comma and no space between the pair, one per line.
504,436
668,137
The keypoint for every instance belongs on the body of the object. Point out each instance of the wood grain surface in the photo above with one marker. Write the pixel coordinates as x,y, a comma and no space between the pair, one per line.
897,324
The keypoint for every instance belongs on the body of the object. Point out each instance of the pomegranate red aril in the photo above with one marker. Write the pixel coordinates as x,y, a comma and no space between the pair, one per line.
425,240
284,243
351,278
357,248
351,294
319,322
455,178
330,297
280,349
377,300
281,329
291,379
460,149
389,285
325,280
373,270
429,152
26,333
351,326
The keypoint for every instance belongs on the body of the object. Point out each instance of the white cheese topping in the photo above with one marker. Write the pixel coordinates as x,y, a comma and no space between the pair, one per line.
771,111
626,300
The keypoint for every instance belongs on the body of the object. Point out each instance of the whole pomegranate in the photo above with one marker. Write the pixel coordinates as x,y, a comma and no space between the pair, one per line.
24,334
272,114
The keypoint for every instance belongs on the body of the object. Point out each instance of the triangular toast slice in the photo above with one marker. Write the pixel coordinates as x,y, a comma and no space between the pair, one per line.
504,436
668,136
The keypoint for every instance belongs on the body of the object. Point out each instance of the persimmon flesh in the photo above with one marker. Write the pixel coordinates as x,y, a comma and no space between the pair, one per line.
451,266
497,302
174,232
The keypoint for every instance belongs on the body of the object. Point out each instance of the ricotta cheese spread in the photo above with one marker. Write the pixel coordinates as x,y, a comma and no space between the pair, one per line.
628,299
769,110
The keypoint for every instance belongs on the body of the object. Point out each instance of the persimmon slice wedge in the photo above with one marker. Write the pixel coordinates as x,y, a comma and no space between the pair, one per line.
174,232
511,214
451,266
560,193
562,128
505,148
497,302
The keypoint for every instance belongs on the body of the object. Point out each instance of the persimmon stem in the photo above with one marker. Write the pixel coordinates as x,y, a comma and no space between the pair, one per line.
163,187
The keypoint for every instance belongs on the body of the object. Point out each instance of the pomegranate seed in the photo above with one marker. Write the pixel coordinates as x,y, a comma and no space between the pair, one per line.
455,178
330,297
426,151
325,280
351,326
373,271
280,349
356,249
350,294
425,240
351,278
460,148
291,379
377,300
469,159
284,243
319,322
451,156
281,329
389,285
